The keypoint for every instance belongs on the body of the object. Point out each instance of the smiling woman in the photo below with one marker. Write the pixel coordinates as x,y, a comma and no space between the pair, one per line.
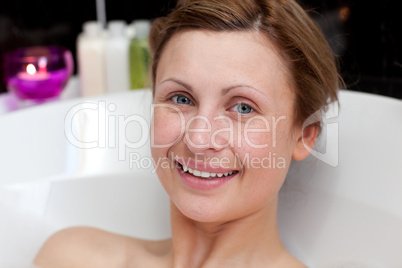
233,83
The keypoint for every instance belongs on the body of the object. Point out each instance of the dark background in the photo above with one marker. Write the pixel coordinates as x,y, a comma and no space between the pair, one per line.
365,35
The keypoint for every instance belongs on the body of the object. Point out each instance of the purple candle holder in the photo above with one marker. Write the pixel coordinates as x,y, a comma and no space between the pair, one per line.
38,74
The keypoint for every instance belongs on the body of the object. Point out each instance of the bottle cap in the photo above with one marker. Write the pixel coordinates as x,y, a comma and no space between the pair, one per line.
130,31
142,28
92,28
117,27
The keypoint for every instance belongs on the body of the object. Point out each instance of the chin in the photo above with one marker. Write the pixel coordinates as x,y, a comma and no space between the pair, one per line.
200,209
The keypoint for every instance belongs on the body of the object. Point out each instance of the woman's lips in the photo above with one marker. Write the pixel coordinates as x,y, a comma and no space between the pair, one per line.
202,179
203,166
206,174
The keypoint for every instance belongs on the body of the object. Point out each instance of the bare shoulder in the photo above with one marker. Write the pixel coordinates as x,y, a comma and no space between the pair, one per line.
82,247
88,247
146,253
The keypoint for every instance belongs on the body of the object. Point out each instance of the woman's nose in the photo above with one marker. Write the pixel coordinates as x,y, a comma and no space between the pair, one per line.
206,133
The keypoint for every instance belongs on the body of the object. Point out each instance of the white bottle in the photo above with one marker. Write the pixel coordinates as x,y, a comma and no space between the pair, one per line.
117,59
91,59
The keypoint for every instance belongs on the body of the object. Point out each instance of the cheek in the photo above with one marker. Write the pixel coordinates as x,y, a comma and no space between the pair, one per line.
167,128
256,132
264,132
165,132
164,135
266,145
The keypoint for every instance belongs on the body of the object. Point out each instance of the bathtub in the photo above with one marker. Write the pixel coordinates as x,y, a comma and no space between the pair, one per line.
87,162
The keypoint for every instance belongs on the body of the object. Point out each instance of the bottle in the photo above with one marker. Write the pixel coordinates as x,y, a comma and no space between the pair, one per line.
139,55
91,59
117,57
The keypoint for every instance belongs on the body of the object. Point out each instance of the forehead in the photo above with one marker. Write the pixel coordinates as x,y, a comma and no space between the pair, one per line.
220,59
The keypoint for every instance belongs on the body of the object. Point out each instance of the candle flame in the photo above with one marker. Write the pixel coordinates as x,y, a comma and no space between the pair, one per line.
31,69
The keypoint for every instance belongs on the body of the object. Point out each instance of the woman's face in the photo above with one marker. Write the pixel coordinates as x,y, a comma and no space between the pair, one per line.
222,133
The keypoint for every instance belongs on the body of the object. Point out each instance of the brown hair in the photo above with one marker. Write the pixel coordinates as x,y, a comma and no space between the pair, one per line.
299,41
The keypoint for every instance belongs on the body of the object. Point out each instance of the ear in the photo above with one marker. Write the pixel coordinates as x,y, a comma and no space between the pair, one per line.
305,141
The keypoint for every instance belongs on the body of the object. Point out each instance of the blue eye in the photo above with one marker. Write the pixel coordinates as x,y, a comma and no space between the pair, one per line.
243,108
181,99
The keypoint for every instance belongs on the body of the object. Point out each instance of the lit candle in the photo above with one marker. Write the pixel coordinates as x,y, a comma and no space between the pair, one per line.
32,75
38,74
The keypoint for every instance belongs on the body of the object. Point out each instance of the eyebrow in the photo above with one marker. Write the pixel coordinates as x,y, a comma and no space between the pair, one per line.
226,90
185,85
223,92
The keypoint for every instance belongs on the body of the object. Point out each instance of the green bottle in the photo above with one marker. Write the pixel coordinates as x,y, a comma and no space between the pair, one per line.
139,55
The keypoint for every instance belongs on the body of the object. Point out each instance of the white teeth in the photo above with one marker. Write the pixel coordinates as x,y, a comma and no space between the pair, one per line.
205,174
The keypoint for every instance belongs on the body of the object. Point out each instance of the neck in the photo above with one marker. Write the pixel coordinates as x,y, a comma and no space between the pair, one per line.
241,242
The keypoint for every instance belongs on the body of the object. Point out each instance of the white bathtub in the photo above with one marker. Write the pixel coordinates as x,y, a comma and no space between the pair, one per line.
346,212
